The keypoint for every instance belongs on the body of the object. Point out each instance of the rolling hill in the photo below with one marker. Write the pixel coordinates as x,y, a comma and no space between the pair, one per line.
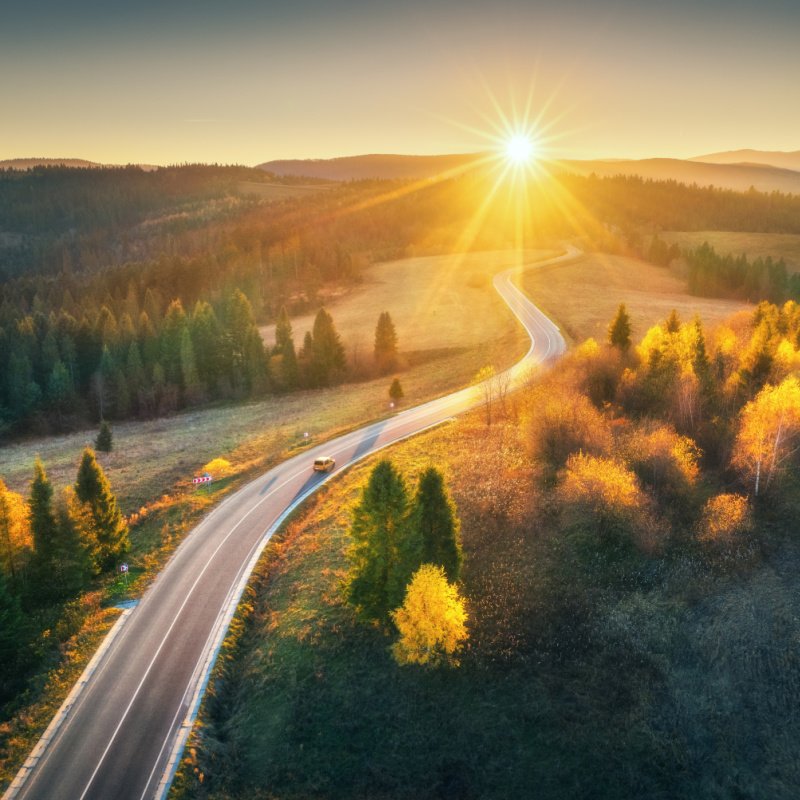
773,158
371,166
740,177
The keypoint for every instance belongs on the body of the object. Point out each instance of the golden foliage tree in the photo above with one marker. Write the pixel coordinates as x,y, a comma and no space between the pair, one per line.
15,534
431,621
769,434
724,517
561,421
662,458
606,493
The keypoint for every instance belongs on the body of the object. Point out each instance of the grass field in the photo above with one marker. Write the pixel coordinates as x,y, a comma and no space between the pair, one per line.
435,302
583,297
680,683
753,245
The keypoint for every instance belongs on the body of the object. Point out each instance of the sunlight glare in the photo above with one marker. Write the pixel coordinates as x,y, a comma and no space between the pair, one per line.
520,149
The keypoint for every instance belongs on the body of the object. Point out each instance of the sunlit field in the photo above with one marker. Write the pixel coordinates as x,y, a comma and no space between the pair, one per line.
582,297
436,302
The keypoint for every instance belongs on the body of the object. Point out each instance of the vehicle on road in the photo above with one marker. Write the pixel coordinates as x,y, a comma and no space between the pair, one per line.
324,464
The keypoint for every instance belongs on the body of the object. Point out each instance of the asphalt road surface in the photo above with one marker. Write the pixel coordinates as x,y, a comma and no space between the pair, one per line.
119,735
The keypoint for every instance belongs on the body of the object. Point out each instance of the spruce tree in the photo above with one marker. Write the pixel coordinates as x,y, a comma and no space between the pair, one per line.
105,439
396,391
673,322
385,550
284,347
434,516
172,329
619,332
102,525
385,343
44,530
328,361
12,627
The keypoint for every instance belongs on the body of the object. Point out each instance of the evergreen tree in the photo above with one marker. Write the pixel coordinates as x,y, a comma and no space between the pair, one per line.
284,346
328,360
12,626
71,568
256,367
385,550
60,393
105,439
208,339
673,322
434,516
396,391
385,343
104,384
192,389
44,529
102,525
170,342
619,332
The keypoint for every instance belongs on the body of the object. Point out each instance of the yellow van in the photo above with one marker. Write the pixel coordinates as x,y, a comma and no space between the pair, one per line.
324,464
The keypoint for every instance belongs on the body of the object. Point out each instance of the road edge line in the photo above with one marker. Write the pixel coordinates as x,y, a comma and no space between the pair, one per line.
57,721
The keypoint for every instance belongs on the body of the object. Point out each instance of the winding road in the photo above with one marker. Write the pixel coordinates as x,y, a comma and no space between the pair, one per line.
120,733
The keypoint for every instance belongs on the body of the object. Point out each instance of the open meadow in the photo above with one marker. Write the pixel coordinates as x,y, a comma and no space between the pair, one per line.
583,297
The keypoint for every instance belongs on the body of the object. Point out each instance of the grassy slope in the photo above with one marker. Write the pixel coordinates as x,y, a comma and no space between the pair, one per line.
584,296
677,682
753,245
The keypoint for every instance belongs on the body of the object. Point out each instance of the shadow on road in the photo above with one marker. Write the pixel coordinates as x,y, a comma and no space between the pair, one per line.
368,442
265,488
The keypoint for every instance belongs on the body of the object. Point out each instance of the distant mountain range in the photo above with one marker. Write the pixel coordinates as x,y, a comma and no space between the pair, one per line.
735,169
773,158
351,168
702,171
30,163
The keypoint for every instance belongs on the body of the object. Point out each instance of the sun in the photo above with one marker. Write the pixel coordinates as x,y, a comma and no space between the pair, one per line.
520,149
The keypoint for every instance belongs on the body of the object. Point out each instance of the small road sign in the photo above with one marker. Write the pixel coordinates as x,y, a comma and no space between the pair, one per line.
123,567
202,479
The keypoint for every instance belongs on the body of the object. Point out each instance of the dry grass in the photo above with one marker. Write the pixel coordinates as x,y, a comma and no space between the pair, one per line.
435,302
583,297
753,245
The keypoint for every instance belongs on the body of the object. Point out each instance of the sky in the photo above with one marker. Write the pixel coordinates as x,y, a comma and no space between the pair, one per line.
242,81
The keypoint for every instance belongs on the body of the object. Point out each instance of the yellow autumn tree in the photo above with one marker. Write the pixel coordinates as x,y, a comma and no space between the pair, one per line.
431,621
15,533
606,494
769,434
724,517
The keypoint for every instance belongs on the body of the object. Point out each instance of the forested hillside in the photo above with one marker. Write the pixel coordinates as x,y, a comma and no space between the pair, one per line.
131,293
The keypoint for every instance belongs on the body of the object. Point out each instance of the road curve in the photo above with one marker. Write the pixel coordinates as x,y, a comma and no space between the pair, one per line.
121,732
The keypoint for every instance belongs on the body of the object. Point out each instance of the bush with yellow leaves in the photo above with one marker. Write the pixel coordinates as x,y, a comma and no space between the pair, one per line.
431,621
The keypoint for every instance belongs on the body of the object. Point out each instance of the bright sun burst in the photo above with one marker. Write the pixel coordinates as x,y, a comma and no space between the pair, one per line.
520,149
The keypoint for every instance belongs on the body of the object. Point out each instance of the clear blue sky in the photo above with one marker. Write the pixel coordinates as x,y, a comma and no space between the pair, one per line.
244,81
